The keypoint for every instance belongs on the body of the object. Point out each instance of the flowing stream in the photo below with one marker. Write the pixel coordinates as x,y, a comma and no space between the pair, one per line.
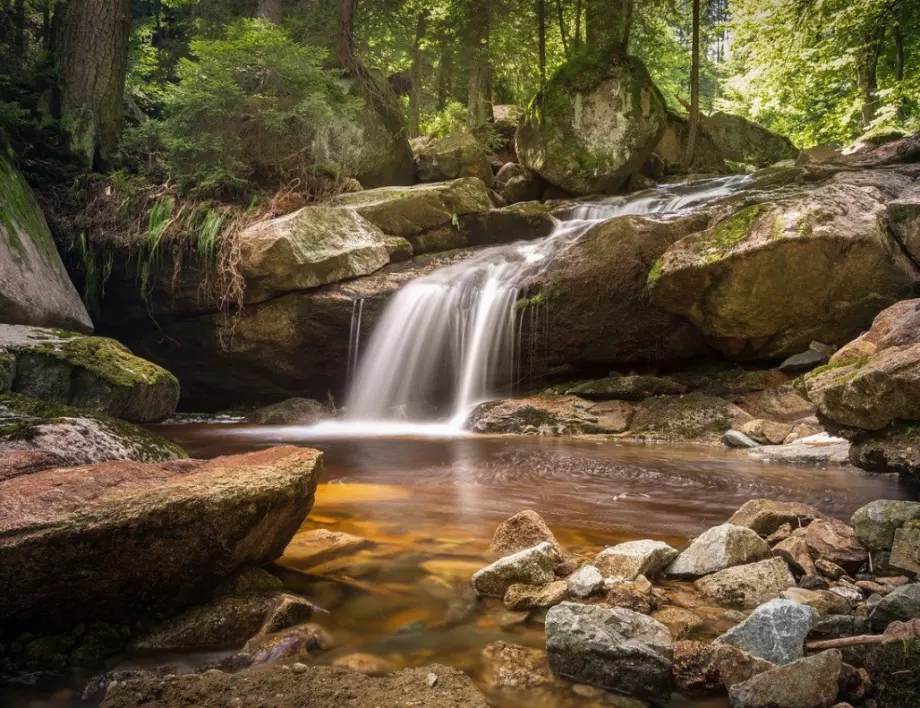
459,327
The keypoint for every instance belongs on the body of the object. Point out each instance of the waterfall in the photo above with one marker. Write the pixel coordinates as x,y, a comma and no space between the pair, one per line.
455,332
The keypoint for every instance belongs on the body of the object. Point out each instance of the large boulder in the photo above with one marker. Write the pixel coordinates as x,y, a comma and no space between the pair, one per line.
822,265
876,523
74,437
610,647
875,379
595,123
896,448
34,287
742,140
550,415
674,142
92,373
455,156
904,221
305,687
695,417
598,311
121,540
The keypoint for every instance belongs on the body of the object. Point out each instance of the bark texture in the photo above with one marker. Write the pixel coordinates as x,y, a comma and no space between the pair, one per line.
93,64
609,24
270,10
479,102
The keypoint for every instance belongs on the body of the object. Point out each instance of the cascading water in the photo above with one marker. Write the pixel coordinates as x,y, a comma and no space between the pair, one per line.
455,329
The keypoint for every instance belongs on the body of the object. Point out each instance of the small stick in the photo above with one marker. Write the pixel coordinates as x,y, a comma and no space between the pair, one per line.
860,640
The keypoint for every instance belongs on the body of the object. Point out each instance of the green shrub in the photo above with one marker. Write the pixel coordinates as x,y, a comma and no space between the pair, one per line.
247,110
447,121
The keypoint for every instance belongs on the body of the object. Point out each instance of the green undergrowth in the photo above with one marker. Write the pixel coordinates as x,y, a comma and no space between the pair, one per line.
729,232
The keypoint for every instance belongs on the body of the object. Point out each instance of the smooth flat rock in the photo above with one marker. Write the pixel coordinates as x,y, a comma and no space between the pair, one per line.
744,587
775,631
316,547
818,449
627,561
719,548
532,566
614,648
135,539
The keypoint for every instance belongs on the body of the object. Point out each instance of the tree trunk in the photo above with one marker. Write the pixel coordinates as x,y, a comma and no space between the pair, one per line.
541,41
560,11
868,79
578,13
694,87
899,53
609,25
445,75
93,61
345,35
479,102
19,29
47,41
415,92
270,10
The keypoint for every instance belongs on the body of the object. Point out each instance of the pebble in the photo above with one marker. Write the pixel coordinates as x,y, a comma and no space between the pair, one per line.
432,679
299,668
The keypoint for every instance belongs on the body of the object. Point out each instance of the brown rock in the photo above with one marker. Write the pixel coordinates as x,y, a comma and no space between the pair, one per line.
679,621
765,515
316,547
823,601
513,666
796,553
701,668
829,569
766,432
530,597
365,663
21,462
836,542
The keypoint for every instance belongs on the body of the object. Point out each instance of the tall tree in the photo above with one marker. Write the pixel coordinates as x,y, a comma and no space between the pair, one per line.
270,10
415,73
479,86
868,76
609,24
93,61
541,40
694,86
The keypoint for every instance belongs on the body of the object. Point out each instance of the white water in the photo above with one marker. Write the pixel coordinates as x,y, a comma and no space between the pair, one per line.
455,330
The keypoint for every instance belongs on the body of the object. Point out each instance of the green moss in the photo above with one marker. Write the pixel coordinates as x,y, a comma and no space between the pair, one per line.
731,231
895,678
655,272
20,214
526,302
856,363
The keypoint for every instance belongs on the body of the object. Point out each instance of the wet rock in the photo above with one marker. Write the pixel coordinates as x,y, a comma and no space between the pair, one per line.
513,666
532,566
766,432
745,587
829,239
822,601
458,155
836,542
876,523
719,548
733,438
701,668
550,415
248,582
530,597
679,621
627,561
901,604
895,449
765,516
775,631
613,648
94,374
293,411
638,596
365,663
818,449
103,527
905,552
816,355
525,529
628,388
302,641
522,188
693,417
838,626
585,582
313,686
319,546
796,553
806,683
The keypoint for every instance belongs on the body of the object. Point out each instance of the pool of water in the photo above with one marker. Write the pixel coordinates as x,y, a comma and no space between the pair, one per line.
431,505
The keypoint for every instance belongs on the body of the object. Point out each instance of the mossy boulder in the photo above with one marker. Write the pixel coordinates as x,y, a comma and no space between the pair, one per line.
455,156
34,287
742,140
118,541
91,373
293,411
692,418
550,415
596,122
904,221
673,144
892,666
75,437
896,448
875,379
774,277
627,388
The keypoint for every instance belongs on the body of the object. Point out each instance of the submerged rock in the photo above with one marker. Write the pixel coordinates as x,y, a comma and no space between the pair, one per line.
806,683
307,687
293,411
143,539
34,286
532,566
313,548
613,648
513,666
719,548
744,587
93,373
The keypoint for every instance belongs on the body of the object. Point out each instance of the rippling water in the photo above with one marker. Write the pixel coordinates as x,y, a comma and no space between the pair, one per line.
432,504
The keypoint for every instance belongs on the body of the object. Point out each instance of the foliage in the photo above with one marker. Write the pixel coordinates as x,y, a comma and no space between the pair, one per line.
247,109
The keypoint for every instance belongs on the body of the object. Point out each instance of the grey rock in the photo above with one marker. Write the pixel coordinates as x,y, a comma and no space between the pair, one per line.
775,631
613,648
737,439
838,626
901,604
816,355
875,523
532,566
905,551
627,561
719,548
585,582
744,587
820,449
765,516
807,683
